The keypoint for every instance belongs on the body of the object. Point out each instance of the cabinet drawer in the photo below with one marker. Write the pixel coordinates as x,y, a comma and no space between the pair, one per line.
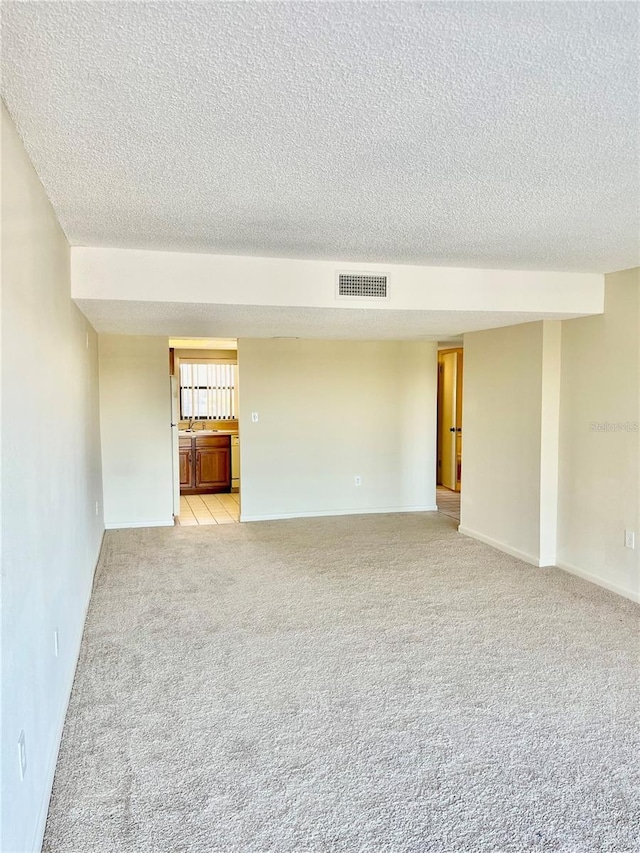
212,441
184,443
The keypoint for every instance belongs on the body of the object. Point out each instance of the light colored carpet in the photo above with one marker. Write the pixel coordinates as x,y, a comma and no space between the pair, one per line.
367,683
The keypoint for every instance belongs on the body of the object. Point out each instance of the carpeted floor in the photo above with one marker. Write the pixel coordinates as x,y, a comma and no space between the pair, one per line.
366,683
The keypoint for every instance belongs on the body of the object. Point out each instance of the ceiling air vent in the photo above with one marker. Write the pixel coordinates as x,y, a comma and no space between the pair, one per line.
361,286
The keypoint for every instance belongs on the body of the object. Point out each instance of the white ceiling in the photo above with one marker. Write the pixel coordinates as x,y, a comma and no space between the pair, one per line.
466,134
182,319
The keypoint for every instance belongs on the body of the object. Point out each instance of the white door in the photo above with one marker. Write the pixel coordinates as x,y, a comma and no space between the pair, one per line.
449,424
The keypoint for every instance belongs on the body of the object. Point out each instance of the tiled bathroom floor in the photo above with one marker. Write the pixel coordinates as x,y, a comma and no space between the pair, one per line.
209,509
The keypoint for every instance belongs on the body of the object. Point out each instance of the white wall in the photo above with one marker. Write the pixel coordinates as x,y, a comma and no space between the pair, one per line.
135,425
331,410
549,441
508,434
51,481
142,275
600,467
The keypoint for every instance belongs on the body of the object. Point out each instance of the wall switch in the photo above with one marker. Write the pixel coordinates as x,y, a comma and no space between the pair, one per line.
630,539
254,417
358,480
97,507
22,755
56,642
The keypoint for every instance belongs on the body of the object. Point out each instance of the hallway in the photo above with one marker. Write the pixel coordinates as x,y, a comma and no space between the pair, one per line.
448,502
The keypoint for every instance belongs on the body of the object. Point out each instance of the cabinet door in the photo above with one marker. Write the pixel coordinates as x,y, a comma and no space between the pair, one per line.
186,468
213,468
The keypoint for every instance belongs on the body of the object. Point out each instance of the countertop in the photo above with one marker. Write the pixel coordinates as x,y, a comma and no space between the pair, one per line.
183,433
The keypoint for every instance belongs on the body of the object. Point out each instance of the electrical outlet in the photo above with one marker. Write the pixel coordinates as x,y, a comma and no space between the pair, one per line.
56,642
630,539
254,417
22,755
358,480
97,507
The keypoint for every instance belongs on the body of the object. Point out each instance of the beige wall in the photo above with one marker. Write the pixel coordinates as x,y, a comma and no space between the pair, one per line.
331,410
506,466
204,279
600,468
135,425
218,354
551,468
549,440
51,482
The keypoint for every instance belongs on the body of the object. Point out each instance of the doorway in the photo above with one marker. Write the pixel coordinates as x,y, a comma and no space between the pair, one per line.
449,467
206,442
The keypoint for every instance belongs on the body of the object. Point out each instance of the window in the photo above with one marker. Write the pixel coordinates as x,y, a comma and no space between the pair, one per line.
208,390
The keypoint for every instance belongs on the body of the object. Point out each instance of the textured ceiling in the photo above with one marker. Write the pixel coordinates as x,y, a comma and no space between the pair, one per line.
467,134
181,319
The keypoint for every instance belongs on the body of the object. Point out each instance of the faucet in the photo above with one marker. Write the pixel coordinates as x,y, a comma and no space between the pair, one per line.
191,423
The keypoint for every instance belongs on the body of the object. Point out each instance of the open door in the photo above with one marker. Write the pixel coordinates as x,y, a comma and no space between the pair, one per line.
450,418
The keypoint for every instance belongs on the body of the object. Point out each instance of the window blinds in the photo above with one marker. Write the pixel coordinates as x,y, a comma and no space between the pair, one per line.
208,390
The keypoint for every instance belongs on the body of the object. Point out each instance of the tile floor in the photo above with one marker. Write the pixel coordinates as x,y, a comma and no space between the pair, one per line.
225,508
448,502
209,509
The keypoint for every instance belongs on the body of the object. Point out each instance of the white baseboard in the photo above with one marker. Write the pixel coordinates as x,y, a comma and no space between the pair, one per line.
596,579
53,758
632,595
329,512
125,525
500,546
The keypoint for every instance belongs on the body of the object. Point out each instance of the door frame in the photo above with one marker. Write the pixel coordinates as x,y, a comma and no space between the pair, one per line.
459,386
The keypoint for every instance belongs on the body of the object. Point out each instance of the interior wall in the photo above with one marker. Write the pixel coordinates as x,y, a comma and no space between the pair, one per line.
599,473
201,278
51,483
549,440
217,354
502,412
329,411
135,425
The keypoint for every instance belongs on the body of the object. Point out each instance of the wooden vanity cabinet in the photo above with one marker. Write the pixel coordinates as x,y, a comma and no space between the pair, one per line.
205,464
